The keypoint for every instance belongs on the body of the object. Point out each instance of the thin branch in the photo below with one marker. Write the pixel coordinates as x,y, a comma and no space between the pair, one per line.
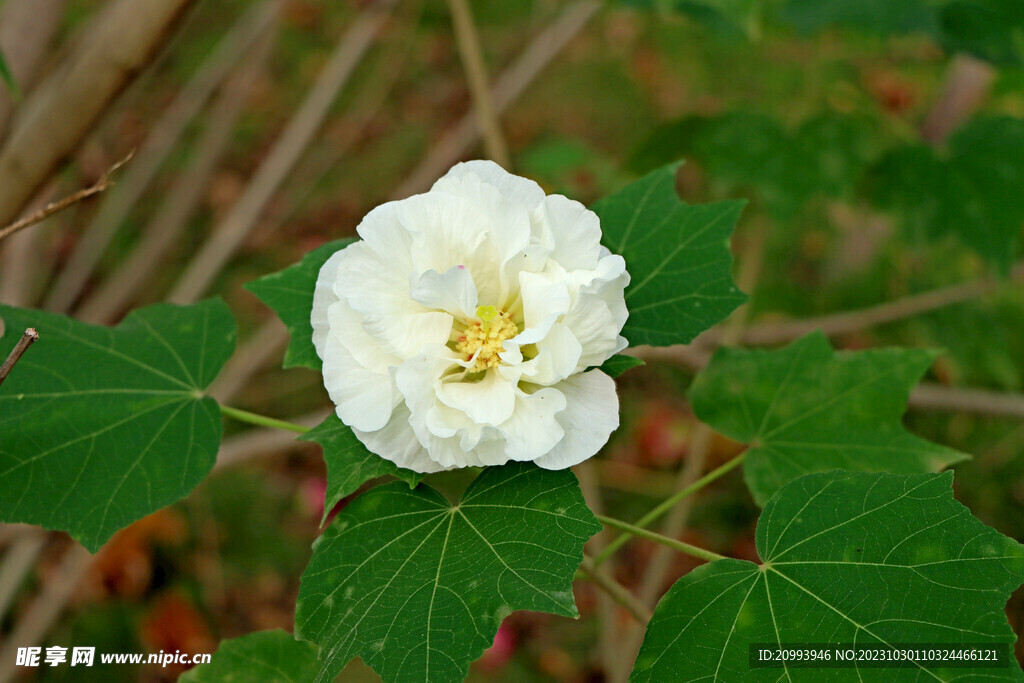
954,399
468,40
616,591
159,143
18,561
45,609
27,339
128,280
967,83
53,207
228,236
506,89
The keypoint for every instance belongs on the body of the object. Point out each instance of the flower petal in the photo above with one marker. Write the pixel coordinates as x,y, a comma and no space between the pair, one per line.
487,402
364,398
543,302
533,429
397,443
591,414
576,232
454,291
323,297
520,190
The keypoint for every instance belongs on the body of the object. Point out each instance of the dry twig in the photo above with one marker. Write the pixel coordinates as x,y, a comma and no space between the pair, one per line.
27,339
53,207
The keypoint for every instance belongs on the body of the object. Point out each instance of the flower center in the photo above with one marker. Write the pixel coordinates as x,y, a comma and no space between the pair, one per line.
486,336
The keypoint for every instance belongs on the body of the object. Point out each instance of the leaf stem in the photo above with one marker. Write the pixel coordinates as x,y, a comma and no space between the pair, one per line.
667,505
262,420
682,547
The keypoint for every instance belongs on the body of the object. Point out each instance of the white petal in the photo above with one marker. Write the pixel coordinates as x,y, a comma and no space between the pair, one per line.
520,190
591,414
418,379
323,297
397,443
454,291
487,402
558,355
364,398
447,231
595,327
543,302
384,234
346,326
533,429
576,231
403,335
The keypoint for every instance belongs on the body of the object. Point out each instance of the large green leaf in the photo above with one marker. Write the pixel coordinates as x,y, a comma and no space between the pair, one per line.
807,408
971,191
290,293
417,586
101,426
258,658
678,256
848,557
349,463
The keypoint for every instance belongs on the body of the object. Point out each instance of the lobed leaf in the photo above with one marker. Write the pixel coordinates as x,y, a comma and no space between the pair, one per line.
101,426
807,408
678,256
289,293
417,586
256,658
349,463
848,557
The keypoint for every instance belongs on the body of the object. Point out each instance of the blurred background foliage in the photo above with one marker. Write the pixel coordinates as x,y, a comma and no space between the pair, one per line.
867,179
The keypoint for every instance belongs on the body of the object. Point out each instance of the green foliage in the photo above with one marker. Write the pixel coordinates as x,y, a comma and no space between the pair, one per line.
989,29
101,426
417,586
971,191
289,293
349,463
677,255
618,364
846,558
728,18
807,408
256,658
822,156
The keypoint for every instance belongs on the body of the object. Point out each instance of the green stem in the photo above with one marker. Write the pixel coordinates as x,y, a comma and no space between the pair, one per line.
262,420
658,538
667,505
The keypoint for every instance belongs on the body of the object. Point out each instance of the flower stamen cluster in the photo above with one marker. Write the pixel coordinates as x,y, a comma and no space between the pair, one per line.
482,342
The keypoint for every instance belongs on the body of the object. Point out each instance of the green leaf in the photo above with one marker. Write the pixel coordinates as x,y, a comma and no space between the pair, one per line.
101,426
256,658
807,408
989,29
848,557
620,363
752,151
290,293
728,18
349,463
972,191
8,79
417,587
678,257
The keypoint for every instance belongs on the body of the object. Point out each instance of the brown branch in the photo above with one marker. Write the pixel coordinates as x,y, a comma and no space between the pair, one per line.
27,339
298,134
616,591
967,83
58,115
508,86
468,40
27,28
53,207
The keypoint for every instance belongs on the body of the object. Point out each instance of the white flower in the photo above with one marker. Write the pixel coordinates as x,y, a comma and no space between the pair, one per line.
459,330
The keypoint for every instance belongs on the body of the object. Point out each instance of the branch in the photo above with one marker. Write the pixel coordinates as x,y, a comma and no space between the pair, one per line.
468,40
616,590
27,339
58,115
53,207
953,399
228,236
508,86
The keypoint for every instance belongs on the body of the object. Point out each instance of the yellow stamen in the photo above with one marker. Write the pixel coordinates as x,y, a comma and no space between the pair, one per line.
486,336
